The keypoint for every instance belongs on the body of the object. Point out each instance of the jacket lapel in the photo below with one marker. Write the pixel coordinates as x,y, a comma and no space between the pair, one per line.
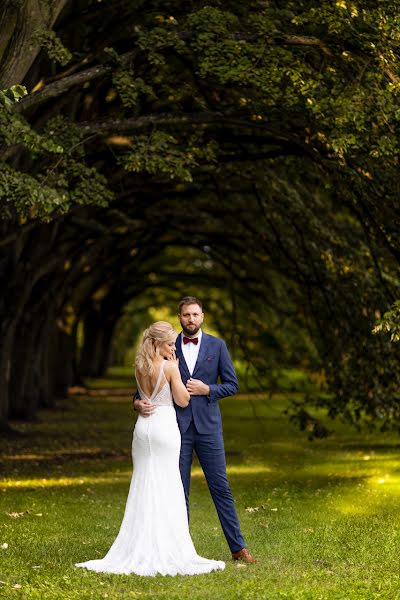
182,362
202,353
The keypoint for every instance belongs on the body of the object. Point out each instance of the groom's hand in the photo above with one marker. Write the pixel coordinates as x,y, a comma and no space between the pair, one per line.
196,387
143,407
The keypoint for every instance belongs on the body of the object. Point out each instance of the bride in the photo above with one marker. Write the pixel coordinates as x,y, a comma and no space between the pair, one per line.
154,535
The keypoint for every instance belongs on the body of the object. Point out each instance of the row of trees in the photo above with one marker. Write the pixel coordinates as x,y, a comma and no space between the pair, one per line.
249,153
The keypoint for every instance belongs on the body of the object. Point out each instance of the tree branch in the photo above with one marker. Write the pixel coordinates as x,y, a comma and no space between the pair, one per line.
114,126
302,40
57,88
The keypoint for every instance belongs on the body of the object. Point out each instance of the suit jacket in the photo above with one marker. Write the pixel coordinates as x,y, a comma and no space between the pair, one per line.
213,362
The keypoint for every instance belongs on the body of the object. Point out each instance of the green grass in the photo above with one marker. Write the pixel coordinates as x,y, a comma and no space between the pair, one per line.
327,524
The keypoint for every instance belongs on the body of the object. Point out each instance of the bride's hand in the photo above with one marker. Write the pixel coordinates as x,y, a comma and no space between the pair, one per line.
173,358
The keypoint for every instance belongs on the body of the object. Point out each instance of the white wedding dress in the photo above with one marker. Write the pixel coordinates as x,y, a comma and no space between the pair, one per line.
154,535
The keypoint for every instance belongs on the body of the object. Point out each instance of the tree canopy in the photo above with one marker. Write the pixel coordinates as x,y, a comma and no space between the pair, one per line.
249,152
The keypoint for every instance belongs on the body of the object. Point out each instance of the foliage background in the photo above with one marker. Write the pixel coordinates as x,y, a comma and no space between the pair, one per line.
246,153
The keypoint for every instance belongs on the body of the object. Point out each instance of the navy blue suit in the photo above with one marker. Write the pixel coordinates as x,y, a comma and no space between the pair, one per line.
201,430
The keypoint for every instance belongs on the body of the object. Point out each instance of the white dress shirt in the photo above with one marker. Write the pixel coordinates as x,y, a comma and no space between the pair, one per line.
190,351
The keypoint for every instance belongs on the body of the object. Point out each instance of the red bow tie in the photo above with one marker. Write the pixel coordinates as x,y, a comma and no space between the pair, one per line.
194,341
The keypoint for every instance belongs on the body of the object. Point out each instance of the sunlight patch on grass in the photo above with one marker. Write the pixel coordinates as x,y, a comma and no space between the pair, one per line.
386,482
349,506
22,457
368,497
45,482
343,466
65,481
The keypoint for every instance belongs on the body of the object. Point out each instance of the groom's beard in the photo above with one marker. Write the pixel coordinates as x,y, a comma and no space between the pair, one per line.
192,331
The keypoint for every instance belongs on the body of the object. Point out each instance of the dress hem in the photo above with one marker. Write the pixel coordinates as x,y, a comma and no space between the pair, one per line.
220,566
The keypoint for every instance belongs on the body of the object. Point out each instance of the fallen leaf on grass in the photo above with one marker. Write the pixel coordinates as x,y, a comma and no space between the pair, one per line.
274,509
240,566
37,567
4,546
16,515
17,586
38,515
251,509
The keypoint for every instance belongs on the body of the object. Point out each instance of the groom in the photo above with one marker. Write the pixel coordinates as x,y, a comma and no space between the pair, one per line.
203,359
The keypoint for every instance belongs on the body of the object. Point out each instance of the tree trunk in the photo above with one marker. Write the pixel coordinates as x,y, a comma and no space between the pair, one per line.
19,20
31,386
105,351
65,372
48,347
24,393
26,268
98,331
7,344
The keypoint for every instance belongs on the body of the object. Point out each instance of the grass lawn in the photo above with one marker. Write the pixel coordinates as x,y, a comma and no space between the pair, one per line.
322,517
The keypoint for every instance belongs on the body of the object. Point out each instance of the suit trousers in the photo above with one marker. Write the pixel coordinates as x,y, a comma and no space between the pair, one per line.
210,451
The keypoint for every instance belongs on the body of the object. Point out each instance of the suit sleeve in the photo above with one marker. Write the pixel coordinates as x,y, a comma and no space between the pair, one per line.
136,396
229,383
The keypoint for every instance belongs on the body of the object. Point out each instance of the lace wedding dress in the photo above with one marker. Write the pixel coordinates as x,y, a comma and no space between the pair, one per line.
154,535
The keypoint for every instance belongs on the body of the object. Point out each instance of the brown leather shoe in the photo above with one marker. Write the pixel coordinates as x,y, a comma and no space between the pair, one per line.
244,556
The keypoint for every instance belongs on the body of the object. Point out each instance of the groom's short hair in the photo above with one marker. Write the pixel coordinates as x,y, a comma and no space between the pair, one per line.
189,300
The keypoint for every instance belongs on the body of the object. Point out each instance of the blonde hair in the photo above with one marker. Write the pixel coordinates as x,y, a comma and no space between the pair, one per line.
158,333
